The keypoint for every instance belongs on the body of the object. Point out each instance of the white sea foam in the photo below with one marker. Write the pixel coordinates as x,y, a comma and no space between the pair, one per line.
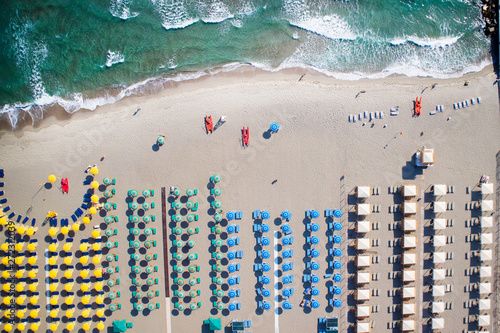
213,11
121,9
113,58
434,42
173,14
332,27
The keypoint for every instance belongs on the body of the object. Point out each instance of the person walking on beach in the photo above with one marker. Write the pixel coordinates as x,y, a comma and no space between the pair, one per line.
360,92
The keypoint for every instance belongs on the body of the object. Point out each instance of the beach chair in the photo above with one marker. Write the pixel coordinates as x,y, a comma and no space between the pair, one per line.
256,227
238,215
257,267
256,214
239,254
247,323
306,278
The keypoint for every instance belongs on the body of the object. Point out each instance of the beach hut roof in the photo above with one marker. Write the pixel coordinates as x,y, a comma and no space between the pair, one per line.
485,271
410,207
408,325
363,226
483,320
437,290
408,275
484,304
363,261
409,190
363,209
408,308
427,156
363,327
409,242
487,238
437,323
363,294
439,224
214,324
410,224
409,259
363,277
363,311
439,240
363,191
409,292
119,326
437,307
363,243
439,257
486,221
439,189
487,188
486,205
485,288
486,255
438,274
439,206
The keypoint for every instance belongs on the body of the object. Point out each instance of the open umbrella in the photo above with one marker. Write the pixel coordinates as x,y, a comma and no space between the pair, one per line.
75,226
274,127
337,277
94,184
337,213
94,171
52,178
92,210
108,194
337,226
100,326
53,231
94,198
265,215
86,219
218,217
230,216
337,303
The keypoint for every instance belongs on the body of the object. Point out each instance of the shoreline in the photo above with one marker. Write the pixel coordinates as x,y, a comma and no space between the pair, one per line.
243,72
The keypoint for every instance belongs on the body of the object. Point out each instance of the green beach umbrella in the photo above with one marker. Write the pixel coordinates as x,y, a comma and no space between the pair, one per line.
107,206
217,192
136,244
110,270
148,231
108,194
190,218
220,305
149,256
108,219
148,244
150,282
193,306
112,295
189,192
219,281
192,293
110,283
110,257
217,178
218,268
218,230
177,218
138,295
177,192
106,180
178,256
133,205
218,204
191,230
218,242
180,293
180,307
146,193
192,268
160,140
138,282
150,295
192,281
112,308
190,243
192,256
177,230
146,218
151,306
135,231
133,193
135,256
189,204
138,307
218,217
146,205
218,255
137,269
135,218
149,269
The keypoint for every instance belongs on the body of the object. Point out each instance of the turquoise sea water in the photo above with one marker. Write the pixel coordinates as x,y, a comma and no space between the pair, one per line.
82,54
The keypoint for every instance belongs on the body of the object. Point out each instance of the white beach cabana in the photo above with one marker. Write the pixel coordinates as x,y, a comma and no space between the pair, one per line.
363,192
408,275
439,206
487,188
409,242
486,255
438,274
439,224
438,257
487,238
485,288
438,290
363,209
409,259
408,325
410,208
485,271
439,190
438,307
363,243
363,261
486,205
409,190
363,227
362,327
483,320
408,309
363,311
437,323
484,304
362,294
439,240
409,292
486,221
363,277
409,224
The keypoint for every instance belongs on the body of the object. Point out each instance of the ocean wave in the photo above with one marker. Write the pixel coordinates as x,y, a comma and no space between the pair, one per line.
173,14
214,12
121,9
332,27
113,58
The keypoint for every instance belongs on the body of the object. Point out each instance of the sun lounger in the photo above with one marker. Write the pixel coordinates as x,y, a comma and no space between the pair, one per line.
239,254
479,100
350,118
360,116
328,212
256,214
354,119
365,114
238,215
381,114
372,116
376,114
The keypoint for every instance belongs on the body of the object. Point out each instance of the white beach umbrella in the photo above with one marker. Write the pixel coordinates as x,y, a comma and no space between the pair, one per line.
437,323
363,294
485,288
439,224
410,208
409,242
363,261
363,209
363,311
437,290
439,240
438,307
487,188
484,304
408,275
408,325
439,257
363,327
363,226
363,243
363,191
486,255
439,206
439,189
409,259
438,274
486,205
487,238
363,277
485,271
408,309
483,320
409,224
409,190
409,292
486,221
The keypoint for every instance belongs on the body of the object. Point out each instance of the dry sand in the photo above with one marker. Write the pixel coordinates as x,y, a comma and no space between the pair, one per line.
314,148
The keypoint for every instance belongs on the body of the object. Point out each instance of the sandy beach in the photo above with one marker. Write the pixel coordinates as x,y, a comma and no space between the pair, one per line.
316,160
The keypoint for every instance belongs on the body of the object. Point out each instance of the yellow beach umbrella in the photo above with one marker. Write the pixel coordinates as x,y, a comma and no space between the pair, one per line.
100,326
7,327
6,287
86,313
94,184
69,300
5,260
69,313
3,220
6,275
20,299
96,259
54,313
99,299
34,313
92,210
84,274
53,326
31,231
70,326
20,286
53,286
34,327
5,247
86,299
7,314
100,313
53,260
69,272
84,247
68,286
53,231
84,259
75,227
53,300
32,273
6,300
67,247
34,300
96,246
86,220
32,287
19,247
64,230
68,260
94,198
20,313
52,178
32,260
21,326
98,273
98,286
96,233
21,230
84,287
32,247
19,260
94,171
86,326
53,273
19,273
53,247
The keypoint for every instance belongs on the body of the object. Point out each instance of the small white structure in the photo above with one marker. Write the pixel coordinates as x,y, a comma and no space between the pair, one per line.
438,290
363,192
439,190
439,224
362,294
410,190
487,188
486,205
439,240
363,277
439,257
363,227
363,311
408,309
410,208
487,238
484,304
483,320
408,275
486,255
409,292
409,242
437,323
363,261
439,206
363,209
424,157
363,327
363,243
485,288
409,224
485,271
437,307
408,325
438,274
409,259
486,221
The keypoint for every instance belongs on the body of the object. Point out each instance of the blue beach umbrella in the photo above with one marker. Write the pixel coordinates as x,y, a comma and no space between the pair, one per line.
337,277
315,279
231,294
265,241
231,268
287,254
265,227
286,292
287,305
337,226
274,127
314,253
315,291
286,280
266,305
314,227
337,303
337,290
230,216
315,304
266,254
266,267
231,255
231,281
285,228
314,266
265,280
230,229
314,240
230,242
337,252
337,239
337,265
314,214
337,213
266,292
285,214
265,215
232,307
